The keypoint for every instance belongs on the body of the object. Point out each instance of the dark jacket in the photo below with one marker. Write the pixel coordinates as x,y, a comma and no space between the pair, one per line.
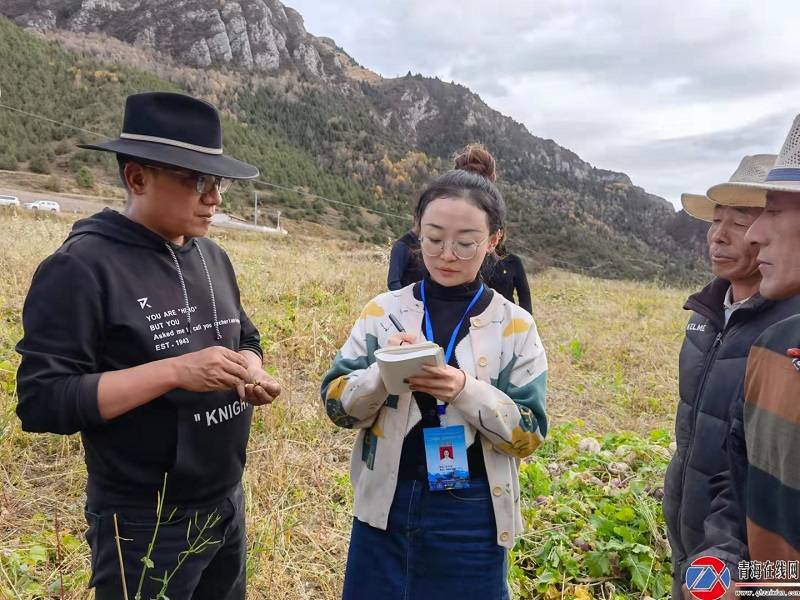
725,527
113,296
507,275
405,263
711,369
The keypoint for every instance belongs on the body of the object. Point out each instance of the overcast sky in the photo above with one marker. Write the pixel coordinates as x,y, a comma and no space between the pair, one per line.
671,93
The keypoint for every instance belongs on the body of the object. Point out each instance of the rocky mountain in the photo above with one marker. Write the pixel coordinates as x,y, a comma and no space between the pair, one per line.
264,36
368,140
253,35
436,117
689,232
427,113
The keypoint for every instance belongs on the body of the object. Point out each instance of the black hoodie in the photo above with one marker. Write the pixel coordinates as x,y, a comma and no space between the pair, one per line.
113,296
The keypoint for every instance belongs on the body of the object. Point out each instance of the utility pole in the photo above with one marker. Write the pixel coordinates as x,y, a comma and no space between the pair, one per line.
255,207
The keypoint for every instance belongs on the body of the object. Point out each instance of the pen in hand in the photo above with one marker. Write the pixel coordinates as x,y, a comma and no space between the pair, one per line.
398,325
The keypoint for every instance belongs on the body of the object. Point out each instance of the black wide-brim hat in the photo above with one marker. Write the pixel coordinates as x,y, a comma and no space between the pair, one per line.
177,130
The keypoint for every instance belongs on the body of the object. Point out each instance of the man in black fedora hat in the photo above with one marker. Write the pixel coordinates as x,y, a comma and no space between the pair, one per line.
134,336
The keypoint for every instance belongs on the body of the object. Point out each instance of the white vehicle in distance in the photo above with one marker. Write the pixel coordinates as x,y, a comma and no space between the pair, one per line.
47,205
9,201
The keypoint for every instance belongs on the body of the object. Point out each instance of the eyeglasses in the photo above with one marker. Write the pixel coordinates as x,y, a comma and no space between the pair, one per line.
203,184
462,249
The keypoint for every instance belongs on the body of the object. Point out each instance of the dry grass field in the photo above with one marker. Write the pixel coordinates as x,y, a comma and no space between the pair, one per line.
612,348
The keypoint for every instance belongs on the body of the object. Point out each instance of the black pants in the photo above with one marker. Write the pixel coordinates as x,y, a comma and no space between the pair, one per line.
217,573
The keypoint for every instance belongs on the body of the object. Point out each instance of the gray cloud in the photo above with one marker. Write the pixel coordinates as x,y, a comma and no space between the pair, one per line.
737,142
671,93
695,163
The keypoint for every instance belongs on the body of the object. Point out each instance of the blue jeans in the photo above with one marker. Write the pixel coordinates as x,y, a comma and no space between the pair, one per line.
437,545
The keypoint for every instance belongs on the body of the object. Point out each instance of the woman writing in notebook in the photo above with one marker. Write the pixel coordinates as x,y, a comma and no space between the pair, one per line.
418,533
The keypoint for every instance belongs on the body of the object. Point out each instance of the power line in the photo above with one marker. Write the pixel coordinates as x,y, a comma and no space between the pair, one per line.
372,210
331,200
532,252
43,118
258,181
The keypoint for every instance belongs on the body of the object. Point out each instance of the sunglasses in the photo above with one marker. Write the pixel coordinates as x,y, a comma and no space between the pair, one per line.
203,183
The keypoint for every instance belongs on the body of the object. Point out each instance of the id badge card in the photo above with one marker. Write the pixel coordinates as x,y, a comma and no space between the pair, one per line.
446,458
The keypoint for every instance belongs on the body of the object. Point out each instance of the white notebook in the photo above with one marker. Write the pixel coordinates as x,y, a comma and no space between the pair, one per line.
397,363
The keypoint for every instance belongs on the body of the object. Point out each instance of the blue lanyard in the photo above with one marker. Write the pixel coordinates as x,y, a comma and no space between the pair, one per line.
441,407
429,328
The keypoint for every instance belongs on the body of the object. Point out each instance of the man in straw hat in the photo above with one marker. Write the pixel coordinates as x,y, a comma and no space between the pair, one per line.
757,498
727,316
135,337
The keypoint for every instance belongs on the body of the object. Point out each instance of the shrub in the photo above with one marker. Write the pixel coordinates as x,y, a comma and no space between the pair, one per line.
85,177
8,162
53,184
38,164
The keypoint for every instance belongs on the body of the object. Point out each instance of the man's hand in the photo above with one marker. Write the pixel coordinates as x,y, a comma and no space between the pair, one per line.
259,388
212,369
443,383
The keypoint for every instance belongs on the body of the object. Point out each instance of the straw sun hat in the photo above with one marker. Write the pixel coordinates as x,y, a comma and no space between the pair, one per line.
753,170
784,176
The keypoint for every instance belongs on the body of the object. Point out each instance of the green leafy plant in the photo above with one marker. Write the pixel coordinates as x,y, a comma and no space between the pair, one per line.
197,545
576,350
593,513
147,561
20,568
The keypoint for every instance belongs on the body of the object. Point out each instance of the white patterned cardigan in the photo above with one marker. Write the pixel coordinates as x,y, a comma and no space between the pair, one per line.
503,399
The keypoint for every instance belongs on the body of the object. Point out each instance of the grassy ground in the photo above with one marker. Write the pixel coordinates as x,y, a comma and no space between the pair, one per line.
612,348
